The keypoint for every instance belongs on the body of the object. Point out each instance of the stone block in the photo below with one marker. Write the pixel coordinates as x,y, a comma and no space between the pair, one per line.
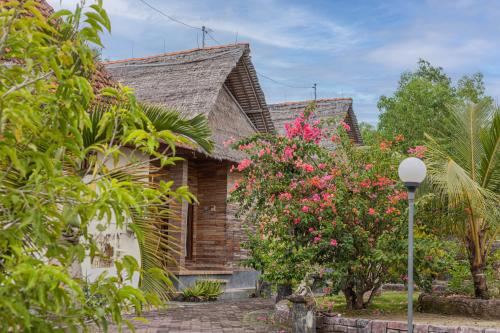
378,326
352,330
389,330
347,321
420,328
464,329
491,330
362,323
442,329
397,325
340,328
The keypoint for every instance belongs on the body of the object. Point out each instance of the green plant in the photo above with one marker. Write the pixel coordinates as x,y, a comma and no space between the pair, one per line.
54,183
310,207
423,100
203,290
464,172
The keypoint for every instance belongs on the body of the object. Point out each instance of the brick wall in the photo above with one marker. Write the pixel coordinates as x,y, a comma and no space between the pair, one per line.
347,325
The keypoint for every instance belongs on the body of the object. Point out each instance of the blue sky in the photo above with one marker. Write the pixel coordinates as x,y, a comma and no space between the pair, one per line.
350,48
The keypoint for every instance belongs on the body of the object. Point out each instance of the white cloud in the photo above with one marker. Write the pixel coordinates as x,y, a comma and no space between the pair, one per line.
405,54
273,23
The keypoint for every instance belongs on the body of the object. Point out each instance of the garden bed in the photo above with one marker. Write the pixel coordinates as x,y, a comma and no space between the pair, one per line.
460,305
391,306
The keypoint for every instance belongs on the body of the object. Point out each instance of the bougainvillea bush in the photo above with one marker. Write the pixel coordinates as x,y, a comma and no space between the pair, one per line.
340,210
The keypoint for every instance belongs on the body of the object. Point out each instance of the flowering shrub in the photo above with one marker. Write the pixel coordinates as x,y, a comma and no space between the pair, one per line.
313,207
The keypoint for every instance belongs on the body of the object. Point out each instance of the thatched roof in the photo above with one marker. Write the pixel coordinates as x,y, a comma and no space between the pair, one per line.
191,82
340,108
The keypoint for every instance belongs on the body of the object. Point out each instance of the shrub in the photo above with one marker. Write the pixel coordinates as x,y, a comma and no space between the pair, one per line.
203,290
342,209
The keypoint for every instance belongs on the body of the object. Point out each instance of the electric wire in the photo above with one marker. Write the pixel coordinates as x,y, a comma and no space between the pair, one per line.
209,34
168,16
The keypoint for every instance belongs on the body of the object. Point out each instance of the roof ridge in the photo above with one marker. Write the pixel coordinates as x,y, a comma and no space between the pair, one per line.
312,100
173,53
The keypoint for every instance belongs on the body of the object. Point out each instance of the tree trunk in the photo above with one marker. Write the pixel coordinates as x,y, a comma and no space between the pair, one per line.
284,290
479,279
354,300
478,265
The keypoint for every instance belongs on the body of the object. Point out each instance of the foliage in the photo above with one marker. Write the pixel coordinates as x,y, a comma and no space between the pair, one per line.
203,290
460,281
341,209
423,100
463,170
369,134
59,174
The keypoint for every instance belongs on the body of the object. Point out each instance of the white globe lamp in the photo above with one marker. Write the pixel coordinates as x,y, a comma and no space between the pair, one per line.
412,172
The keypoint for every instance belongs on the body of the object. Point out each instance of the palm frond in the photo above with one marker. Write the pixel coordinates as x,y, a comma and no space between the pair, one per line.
489,167
195,129
463,168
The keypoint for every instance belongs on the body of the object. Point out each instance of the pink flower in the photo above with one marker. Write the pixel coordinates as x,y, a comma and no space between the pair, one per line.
333,242
262,152
307,167
365,183
316,197
317,238
345,126
322,166
279,174
244,164
418,151
296,221
371,211
305,209
285,196
368,166
288,153
311,229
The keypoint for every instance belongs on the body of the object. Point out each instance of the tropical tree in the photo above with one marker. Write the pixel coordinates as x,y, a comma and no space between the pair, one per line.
58,175
423,100
464,172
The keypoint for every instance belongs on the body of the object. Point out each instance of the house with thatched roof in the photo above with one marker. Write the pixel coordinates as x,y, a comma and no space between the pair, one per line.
328,108
220,83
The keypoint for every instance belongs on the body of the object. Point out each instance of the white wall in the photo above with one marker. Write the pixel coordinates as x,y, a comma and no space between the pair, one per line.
120,240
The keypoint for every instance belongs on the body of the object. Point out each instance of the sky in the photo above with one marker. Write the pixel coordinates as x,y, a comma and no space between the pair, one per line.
352,48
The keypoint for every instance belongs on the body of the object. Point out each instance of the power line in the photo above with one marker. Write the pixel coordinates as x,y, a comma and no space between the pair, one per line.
281,83
213,38
206,31
168,16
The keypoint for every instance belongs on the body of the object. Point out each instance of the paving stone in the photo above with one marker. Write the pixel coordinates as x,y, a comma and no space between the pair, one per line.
217,317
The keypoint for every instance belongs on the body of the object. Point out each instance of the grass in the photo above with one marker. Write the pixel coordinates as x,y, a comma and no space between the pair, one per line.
391,305
389,302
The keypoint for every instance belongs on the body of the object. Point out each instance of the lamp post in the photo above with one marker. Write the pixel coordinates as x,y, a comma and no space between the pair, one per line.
411,172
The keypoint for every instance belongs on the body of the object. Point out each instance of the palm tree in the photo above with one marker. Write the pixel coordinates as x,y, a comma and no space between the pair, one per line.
151,218
464,173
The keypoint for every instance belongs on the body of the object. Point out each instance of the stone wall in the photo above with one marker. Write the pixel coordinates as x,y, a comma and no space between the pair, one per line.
347,325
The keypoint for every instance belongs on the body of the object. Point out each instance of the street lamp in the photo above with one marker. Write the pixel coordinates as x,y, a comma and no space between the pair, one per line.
411,172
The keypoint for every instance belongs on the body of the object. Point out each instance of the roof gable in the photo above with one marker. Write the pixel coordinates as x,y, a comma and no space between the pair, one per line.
341,108
191,80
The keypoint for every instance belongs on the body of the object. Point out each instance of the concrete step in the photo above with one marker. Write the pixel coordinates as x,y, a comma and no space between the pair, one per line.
236,293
